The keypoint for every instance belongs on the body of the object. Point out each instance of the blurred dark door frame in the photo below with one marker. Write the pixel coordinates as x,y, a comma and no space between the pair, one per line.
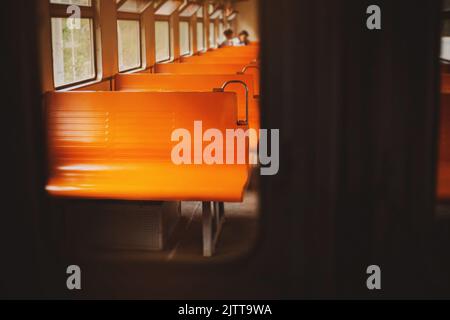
358,113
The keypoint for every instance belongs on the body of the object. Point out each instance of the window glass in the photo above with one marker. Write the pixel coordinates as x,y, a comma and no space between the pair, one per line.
162,40
185,46
73,51
134,6
200,12
128,32
221,31
86,3
200,37
212,35
445,40
157,3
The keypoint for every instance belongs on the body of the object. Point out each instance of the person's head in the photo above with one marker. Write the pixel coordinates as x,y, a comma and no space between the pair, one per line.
228,34
243,36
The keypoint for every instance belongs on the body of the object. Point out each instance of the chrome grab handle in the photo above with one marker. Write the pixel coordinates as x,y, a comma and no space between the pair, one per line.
222,89
249,66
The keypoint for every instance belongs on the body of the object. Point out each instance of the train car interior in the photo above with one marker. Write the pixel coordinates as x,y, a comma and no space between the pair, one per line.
109,126
217,149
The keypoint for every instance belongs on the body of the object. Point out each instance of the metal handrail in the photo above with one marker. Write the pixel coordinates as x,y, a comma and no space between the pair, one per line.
249,66
222,89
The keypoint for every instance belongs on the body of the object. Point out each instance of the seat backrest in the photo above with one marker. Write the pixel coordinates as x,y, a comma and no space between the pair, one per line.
193,82
243,50
247,52
249,57
128,127
204,68
217,60
180,82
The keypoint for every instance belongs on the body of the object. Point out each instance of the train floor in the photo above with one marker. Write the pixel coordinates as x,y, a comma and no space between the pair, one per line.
180,271
238,236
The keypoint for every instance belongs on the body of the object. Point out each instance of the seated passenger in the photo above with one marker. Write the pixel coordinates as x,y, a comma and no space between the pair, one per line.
243,38
230,41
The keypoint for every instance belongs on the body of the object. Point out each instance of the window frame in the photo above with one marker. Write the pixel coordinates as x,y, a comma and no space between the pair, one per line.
188,21
161,18
127,16
59,10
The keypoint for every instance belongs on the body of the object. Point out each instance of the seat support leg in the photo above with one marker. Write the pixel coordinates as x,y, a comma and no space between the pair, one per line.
213,217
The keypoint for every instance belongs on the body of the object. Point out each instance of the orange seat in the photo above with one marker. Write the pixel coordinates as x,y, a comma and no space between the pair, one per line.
195,82
117,145
252,51
218,60
204,68
230,56
188,68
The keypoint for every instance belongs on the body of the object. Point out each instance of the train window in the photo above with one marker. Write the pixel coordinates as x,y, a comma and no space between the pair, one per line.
200,13
157,3
200,37
221,31
128,32
73,51
445,35
212,35
86,3
445,41
133,6
185,41
162,41
188,8
167,7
